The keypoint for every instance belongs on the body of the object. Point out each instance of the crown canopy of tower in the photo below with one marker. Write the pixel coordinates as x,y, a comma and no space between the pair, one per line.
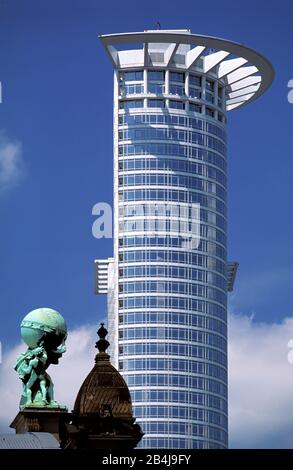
245,73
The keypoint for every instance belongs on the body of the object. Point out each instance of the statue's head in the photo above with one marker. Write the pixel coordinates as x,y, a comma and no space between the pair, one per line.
45,328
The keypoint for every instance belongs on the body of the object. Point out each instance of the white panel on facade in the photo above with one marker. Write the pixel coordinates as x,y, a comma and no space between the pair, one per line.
146,54
230,65
132,58
245,82
232,268
102,275
241,73
230,107
240,99
211,60
170,53
113,54
244,91
193,55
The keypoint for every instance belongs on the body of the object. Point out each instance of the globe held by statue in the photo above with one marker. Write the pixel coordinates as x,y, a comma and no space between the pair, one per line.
44,331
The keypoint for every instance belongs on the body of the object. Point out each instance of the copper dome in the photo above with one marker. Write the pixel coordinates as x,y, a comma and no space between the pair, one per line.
104,391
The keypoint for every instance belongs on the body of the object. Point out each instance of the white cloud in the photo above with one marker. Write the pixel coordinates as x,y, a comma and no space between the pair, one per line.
261,383
260,391
11,162
75,365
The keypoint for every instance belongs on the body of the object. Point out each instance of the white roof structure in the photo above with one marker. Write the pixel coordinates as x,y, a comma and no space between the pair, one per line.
245,73
231,274
102,275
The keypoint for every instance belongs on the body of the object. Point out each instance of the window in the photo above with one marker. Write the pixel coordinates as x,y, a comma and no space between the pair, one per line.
131,89
220,96
194,107
176,104
194,80
176,90
132,76
209,112
210,85
221,117
131,104
134,119
209,97
194,93
157,88
156,75
156,103
177,77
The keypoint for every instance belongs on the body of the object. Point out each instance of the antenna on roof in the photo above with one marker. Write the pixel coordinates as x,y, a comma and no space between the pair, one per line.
158,25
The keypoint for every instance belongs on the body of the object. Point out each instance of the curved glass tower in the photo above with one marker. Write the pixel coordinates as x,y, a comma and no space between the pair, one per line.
170,276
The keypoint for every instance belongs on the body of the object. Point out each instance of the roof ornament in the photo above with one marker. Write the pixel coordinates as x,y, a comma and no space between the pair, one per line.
158,25
102,344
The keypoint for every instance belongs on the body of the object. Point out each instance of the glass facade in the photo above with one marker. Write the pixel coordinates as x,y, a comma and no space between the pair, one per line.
172,296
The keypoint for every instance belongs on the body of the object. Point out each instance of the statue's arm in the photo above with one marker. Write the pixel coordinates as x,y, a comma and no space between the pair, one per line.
25,365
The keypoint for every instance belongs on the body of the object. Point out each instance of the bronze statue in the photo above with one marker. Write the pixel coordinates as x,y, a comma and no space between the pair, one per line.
44,331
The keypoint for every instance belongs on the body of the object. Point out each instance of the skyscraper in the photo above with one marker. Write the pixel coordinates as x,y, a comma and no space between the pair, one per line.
167,298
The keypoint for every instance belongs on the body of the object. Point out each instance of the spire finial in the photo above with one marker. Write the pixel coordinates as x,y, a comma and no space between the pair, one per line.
102,344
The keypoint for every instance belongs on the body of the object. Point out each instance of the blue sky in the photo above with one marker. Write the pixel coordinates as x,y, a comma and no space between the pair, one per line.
57,107
56,125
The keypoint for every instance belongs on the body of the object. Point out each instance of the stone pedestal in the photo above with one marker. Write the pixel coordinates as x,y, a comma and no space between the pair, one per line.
41,420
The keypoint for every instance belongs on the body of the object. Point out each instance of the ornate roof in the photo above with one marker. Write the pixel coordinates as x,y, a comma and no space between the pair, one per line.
104,391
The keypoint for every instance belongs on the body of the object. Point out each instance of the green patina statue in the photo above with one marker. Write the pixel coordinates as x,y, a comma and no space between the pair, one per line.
44,331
